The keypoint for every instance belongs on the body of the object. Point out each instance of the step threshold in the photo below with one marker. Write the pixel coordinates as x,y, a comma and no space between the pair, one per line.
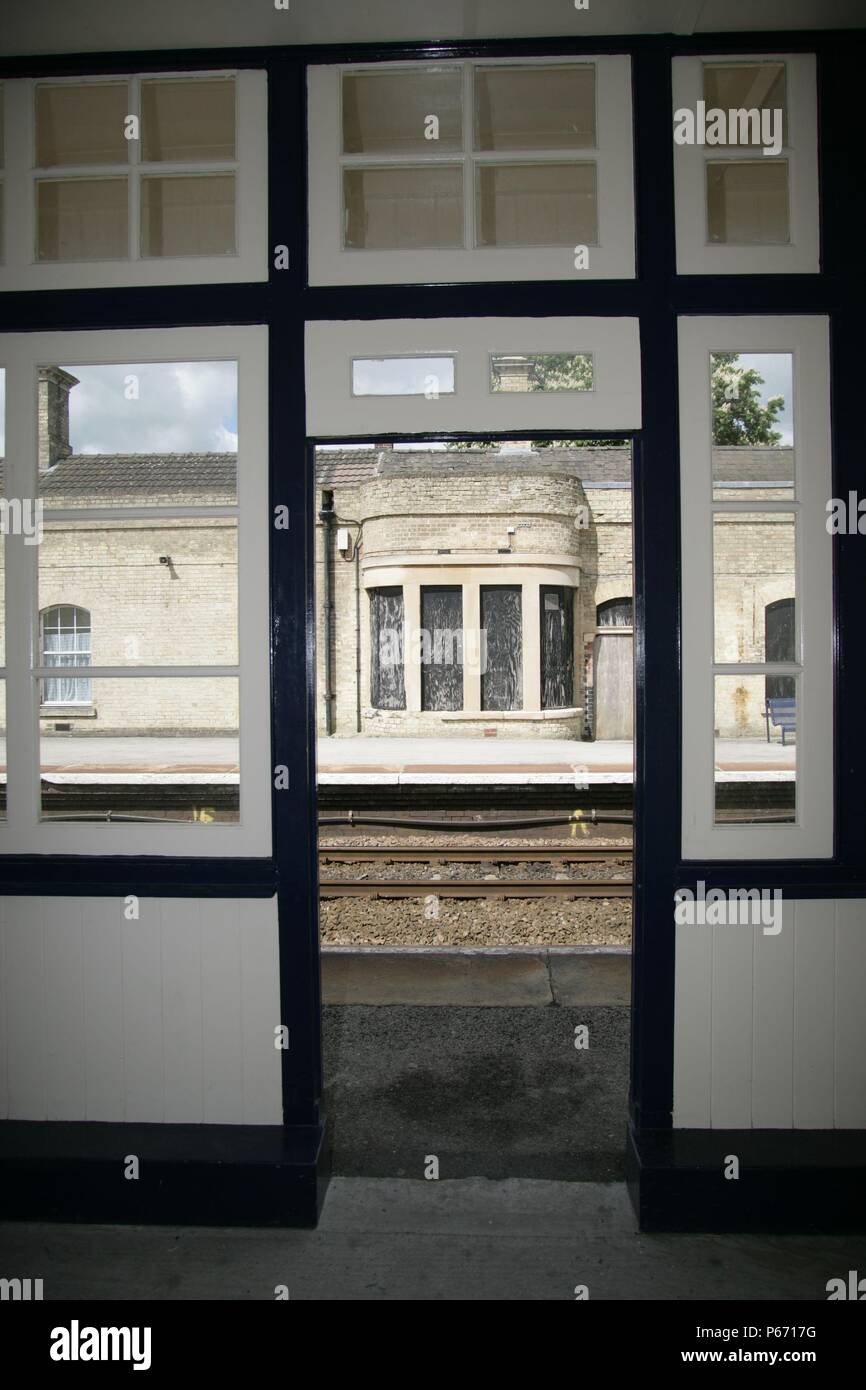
473,977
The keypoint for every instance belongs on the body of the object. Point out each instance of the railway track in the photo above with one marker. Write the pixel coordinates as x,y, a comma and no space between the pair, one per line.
473,888
476,854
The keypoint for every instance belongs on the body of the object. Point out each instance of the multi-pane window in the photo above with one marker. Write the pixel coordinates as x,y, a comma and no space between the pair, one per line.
757,678
132,179
65,641
471,170
143,704
138,168
745,140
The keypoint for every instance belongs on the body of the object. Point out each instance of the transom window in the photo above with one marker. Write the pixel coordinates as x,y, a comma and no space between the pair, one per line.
478,164
136,178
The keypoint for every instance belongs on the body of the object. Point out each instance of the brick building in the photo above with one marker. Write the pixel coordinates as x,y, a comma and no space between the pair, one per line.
465,591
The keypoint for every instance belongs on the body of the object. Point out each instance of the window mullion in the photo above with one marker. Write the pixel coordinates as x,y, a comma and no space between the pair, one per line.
468,159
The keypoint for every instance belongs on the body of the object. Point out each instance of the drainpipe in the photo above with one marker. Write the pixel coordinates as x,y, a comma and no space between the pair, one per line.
327,517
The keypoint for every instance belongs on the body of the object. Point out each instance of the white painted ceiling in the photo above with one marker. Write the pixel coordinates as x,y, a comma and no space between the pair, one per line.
88,26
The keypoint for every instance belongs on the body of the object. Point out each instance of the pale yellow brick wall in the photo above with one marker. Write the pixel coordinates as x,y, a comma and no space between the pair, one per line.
149,614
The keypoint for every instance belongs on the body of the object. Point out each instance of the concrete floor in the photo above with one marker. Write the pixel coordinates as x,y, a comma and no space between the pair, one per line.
396,1239
493,1092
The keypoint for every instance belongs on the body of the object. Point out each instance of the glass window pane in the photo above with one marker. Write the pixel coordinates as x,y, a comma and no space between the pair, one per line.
403,376
2,750
192,216
747,87
755,750
535,108
163,748
82,219
390,113
753,572
3,533
536,205
403,208
541,371
753,425
138,434
747,202
188,121
81,124
147,593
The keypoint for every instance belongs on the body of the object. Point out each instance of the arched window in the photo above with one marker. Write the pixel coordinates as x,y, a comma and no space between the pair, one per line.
64,634
616,612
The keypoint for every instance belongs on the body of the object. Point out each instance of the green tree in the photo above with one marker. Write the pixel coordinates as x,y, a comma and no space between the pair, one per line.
739,417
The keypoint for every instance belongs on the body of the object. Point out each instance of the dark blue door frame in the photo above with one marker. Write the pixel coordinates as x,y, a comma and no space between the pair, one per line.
667,1167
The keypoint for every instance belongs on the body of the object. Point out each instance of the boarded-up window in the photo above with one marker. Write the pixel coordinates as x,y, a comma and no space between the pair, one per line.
557,647
442,648
780,646
502,680
617,612
387,684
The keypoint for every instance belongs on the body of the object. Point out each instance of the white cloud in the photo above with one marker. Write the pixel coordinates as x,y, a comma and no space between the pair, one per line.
154,407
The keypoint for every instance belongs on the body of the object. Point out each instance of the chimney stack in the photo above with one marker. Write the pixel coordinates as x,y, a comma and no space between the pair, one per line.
54,388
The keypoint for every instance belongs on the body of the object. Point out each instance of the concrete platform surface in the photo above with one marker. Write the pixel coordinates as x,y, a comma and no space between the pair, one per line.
495,1092
387,1239
391,760
464,977
555,762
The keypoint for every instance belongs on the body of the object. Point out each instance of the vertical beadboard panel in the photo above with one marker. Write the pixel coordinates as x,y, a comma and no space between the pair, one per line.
731,1027
814,1009
103,1008
167,1018
693,1002
773,1025
62,926
25,1008
182,1010
221,1011
850,1032
260,986
144,1070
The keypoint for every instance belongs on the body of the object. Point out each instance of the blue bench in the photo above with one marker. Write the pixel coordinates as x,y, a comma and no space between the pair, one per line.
782,713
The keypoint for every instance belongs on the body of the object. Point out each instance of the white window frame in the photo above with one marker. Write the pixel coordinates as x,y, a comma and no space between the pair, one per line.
801,255
614,403
811,836
45,702
612,258
249,262
23,832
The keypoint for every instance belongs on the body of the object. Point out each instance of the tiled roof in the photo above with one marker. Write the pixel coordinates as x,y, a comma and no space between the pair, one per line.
345,467
141,473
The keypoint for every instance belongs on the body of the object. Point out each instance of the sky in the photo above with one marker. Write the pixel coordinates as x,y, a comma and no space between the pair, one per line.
181,407
185,407
777,370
